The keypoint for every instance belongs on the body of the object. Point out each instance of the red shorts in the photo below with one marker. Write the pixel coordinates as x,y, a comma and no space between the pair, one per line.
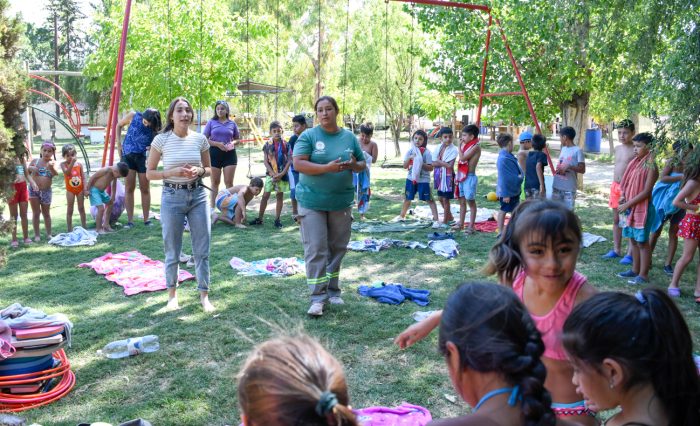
21,194
615,194
689,228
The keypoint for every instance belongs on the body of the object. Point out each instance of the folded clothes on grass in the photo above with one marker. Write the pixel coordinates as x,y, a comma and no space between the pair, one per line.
376,226
79,236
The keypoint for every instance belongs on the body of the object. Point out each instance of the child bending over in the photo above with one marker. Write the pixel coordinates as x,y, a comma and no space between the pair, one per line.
97,187
232,202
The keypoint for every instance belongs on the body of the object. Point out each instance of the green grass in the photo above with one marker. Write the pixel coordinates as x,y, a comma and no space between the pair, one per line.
191,379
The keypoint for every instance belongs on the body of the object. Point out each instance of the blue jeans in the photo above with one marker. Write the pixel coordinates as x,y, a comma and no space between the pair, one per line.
175,205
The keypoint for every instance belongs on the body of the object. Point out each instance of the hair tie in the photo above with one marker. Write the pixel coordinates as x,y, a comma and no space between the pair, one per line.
326,402
640,298
514,396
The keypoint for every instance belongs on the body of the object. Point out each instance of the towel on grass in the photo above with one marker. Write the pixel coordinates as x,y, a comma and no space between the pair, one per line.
79,236
376,226
423,212
404,415
588,239
374,245
133,271
276,266
395,294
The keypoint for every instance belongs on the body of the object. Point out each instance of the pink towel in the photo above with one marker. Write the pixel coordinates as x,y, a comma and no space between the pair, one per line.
133,271
633,182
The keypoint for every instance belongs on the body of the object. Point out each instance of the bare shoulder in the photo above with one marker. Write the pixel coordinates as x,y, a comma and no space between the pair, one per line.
585,292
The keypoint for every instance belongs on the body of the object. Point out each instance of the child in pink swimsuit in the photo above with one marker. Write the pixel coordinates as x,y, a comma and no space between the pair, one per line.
537,257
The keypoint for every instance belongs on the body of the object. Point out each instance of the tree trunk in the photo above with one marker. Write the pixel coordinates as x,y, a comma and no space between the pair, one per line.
575,114
611,130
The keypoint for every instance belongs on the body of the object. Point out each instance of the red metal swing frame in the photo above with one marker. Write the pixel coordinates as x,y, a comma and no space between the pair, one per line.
482,90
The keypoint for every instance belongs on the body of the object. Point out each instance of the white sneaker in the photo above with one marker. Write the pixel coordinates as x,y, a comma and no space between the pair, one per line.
336,300
316,309
184,257
436,225
190,263
397,219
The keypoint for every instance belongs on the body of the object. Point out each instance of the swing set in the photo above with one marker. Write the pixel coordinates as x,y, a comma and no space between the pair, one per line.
248,87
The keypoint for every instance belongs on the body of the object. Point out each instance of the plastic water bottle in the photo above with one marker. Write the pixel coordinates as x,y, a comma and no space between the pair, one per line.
129,347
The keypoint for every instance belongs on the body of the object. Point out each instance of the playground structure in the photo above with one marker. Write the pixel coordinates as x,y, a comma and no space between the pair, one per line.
72,113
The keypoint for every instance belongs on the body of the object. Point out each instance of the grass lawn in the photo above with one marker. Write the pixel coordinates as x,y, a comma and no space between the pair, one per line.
191,379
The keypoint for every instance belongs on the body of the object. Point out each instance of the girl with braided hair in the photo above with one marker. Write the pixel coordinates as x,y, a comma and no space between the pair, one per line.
536,256
649,373
293,380
493,349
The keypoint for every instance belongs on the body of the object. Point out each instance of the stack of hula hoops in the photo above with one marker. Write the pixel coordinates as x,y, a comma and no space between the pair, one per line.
34,368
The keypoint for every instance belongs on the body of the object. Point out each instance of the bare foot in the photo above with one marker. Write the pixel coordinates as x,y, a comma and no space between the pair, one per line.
108,229
37,239
240,226
173,304
102,232
206,304
27,241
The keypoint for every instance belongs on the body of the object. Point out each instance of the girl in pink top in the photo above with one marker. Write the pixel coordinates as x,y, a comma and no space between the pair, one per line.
537,257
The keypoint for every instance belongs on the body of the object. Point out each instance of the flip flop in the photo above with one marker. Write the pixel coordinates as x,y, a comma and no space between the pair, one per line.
457,227
469,231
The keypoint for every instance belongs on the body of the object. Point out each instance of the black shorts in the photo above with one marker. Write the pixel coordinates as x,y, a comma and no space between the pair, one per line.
221,159
136,162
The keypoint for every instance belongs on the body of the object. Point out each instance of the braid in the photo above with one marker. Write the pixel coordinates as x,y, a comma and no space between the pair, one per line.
528,372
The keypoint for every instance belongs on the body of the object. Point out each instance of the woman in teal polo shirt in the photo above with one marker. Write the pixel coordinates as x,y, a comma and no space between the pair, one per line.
325,157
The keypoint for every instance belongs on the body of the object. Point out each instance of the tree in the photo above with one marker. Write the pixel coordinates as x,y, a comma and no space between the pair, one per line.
167,55
13,87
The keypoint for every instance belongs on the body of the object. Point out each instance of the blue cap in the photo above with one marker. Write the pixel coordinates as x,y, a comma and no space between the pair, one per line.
525,136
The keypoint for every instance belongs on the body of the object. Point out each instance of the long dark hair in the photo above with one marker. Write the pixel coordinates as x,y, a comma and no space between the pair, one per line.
330,99
648,336
152,115
169,125
551,219
494,333
228,110
421,132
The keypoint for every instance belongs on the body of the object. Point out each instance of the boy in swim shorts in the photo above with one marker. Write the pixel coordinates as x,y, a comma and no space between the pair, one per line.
97,185
232,202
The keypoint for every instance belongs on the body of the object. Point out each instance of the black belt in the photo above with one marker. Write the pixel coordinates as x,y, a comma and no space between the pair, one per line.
189,185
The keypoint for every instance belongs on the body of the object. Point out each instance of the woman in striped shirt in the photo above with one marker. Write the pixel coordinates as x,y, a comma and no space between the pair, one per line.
186,161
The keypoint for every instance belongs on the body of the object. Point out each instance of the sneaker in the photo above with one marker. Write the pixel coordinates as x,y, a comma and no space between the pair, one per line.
397,219
336,300
627,260
612,254
190,262
129,225
148,222
436,225
627,274
187,226
256,221
278,223
674,292
668,269
184,258
638,281
316,309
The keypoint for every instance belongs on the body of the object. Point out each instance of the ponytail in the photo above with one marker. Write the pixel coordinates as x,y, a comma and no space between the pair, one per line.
656,347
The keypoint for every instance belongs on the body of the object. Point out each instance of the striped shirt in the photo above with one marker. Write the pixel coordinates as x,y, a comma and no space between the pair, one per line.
176,151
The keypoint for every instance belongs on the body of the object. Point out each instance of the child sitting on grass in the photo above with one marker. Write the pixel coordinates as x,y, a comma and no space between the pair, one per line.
277,162
293,380
232,202
97,186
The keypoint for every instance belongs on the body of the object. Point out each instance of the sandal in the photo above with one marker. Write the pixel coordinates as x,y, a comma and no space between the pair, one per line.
674,292
27,241
469,231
